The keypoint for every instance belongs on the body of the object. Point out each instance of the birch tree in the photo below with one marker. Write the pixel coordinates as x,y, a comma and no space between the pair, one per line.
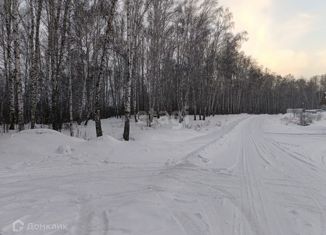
17,75
63,61
35,48
9,73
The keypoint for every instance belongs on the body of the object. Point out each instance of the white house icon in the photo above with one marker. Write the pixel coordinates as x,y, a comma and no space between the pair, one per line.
17,226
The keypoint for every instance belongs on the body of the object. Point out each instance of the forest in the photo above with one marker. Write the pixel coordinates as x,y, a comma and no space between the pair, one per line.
66,61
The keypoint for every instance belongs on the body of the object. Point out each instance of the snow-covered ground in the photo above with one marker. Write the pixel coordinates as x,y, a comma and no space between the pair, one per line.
236,174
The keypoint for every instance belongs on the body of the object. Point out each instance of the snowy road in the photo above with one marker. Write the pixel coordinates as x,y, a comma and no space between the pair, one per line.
252,176
258,186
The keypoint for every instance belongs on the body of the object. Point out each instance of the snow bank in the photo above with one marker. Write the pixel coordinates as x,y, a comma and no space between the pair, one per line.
32,146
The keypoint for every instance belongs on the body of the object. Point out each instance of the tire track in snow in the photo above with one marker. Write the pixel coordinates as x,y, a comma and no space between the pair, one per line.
294,162
254,141
242,213
187,225
250,187
91,221
221,133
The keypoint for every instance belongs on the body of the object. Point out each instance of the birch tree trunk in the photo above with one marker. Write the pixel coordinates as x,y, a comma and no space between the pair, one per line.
127,84
11,84
70,61
19,85
71,118
109,30
84,89
35,66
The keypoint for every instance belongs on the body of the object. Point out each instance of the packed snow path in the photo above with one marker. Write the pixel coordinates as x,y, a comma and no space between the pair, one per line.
252,176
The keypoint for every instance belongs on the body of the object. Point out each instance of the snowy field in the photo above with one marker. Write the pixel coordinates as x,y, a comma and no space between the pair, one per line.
236,174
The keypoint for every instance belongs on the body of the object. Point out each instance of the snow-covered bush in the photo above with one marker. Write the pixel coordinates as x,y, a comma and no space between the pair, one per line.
306,118
64,150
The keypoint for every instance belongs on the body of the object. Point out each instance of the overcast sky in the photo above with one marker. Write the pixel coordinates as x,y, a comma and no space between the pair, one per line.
286,36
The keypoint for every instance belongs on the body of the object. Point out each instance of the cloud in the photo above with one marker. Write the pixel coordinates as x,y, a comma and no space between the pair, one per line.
277,42
249,16
295,28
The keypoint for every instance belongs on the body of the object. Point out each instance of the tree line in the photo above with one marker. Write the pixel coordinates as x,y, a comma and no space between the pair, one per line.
65,61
